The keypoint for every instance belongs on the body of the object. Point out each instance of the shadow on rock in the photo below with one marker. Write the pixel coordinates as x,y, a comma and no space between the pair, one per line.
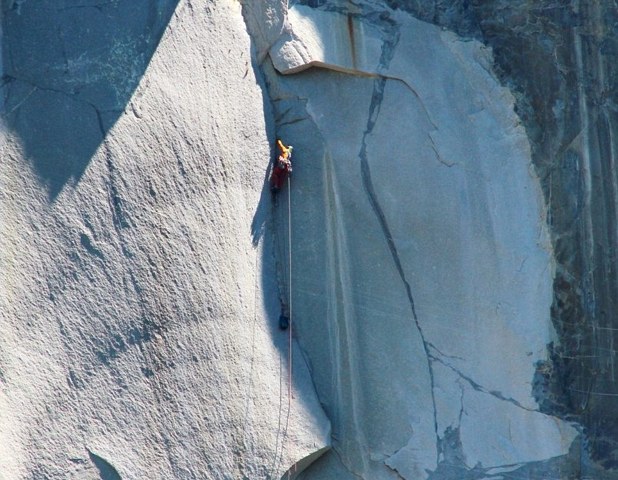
70,68
106,470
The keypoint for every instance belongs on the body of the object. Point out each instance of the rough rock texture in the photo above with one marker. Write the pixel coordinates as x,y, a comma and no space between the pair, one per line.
453,240
138,307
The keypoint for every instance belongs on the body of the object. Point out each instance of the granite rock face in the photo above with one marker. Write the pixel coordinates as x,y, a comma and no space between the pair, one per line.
451,218
559,60
421,238
138,318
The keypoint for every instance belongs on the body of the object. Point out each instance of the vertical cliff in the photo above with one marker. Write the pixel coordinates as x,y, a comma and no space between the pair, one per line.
424,302
570,115
559,61
447,240
138,300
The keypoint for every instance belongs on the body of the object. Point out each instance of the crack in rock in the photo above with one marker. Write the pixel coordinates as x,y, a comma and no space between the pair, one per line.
73,95
417,96
479,388
343,464
10,78
21,102
437,154
374,110
367,182
454,357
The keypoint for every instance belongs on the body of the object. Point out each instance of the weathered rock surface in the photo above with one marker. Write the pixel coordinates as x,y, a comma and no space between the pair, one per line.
413,183
452,287
560,59
138,317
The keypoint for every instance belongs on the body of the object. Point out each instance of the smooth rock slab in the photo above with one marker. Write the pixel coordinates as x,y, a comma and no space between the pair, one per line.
519,436
420,175
316,38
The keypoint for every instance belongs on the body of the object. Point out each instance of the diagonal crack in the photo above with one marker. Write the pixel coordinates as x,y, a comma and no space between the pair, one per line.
73,95
366,175
416,95
478,387
454,357
293,121
11,78
437,154
20,102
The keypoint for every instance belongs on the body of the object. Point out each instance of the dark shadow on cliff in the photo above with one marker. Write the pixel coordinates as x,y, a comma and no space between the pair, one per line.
264,227
269,231
70,69
258,223
106,470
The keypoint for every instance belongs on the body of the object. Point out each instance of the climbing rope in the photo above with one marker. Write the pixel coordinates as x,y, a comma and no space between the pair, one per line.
289,304
290,281
275,465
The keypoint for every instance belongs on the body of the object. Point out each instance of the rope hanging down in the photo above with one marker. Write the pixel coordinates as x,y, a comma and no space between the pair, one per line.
279,174
290,283
290,358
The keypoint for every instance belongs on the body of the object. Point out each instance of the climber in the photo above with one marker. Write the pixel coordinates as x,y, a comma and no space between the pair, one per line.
284,321
282,168
284,316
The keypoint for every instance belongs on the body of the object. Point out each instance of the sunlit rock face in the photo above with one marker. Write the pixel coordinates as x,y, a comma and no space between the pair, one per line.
445,245
424,264
138,318
560,62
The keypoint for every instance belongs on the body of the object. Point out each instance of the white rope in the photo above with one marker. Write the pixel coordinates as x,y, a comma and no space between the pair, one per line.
289,301
290,272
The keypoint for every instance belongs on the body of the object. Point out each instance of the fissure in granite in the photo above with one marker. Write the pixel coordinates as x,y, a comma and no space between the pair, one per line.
374,111
379,81
559,61
574,154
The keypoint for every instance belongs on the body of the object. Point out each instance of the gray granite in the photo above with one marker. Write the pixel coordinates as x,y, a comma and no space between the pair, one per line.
138,298
421,229
559,61
453,203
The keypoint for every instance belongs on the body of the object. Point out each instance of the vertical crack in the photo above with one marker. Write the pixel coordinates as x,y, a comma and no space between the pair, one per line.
388,49
461,405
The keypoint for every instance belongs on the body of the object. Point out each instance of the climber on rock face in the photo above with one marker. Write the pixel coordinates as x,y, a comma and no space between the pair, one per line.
282,168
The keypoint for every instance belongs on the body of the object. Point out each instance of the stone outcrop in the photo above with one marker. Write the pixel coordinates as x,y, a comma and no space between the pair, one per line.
451,217
413,182
138,318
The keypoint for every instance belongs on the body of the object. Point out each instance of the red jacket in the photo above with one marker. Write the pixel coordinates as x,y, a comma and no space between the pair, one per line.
280,172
